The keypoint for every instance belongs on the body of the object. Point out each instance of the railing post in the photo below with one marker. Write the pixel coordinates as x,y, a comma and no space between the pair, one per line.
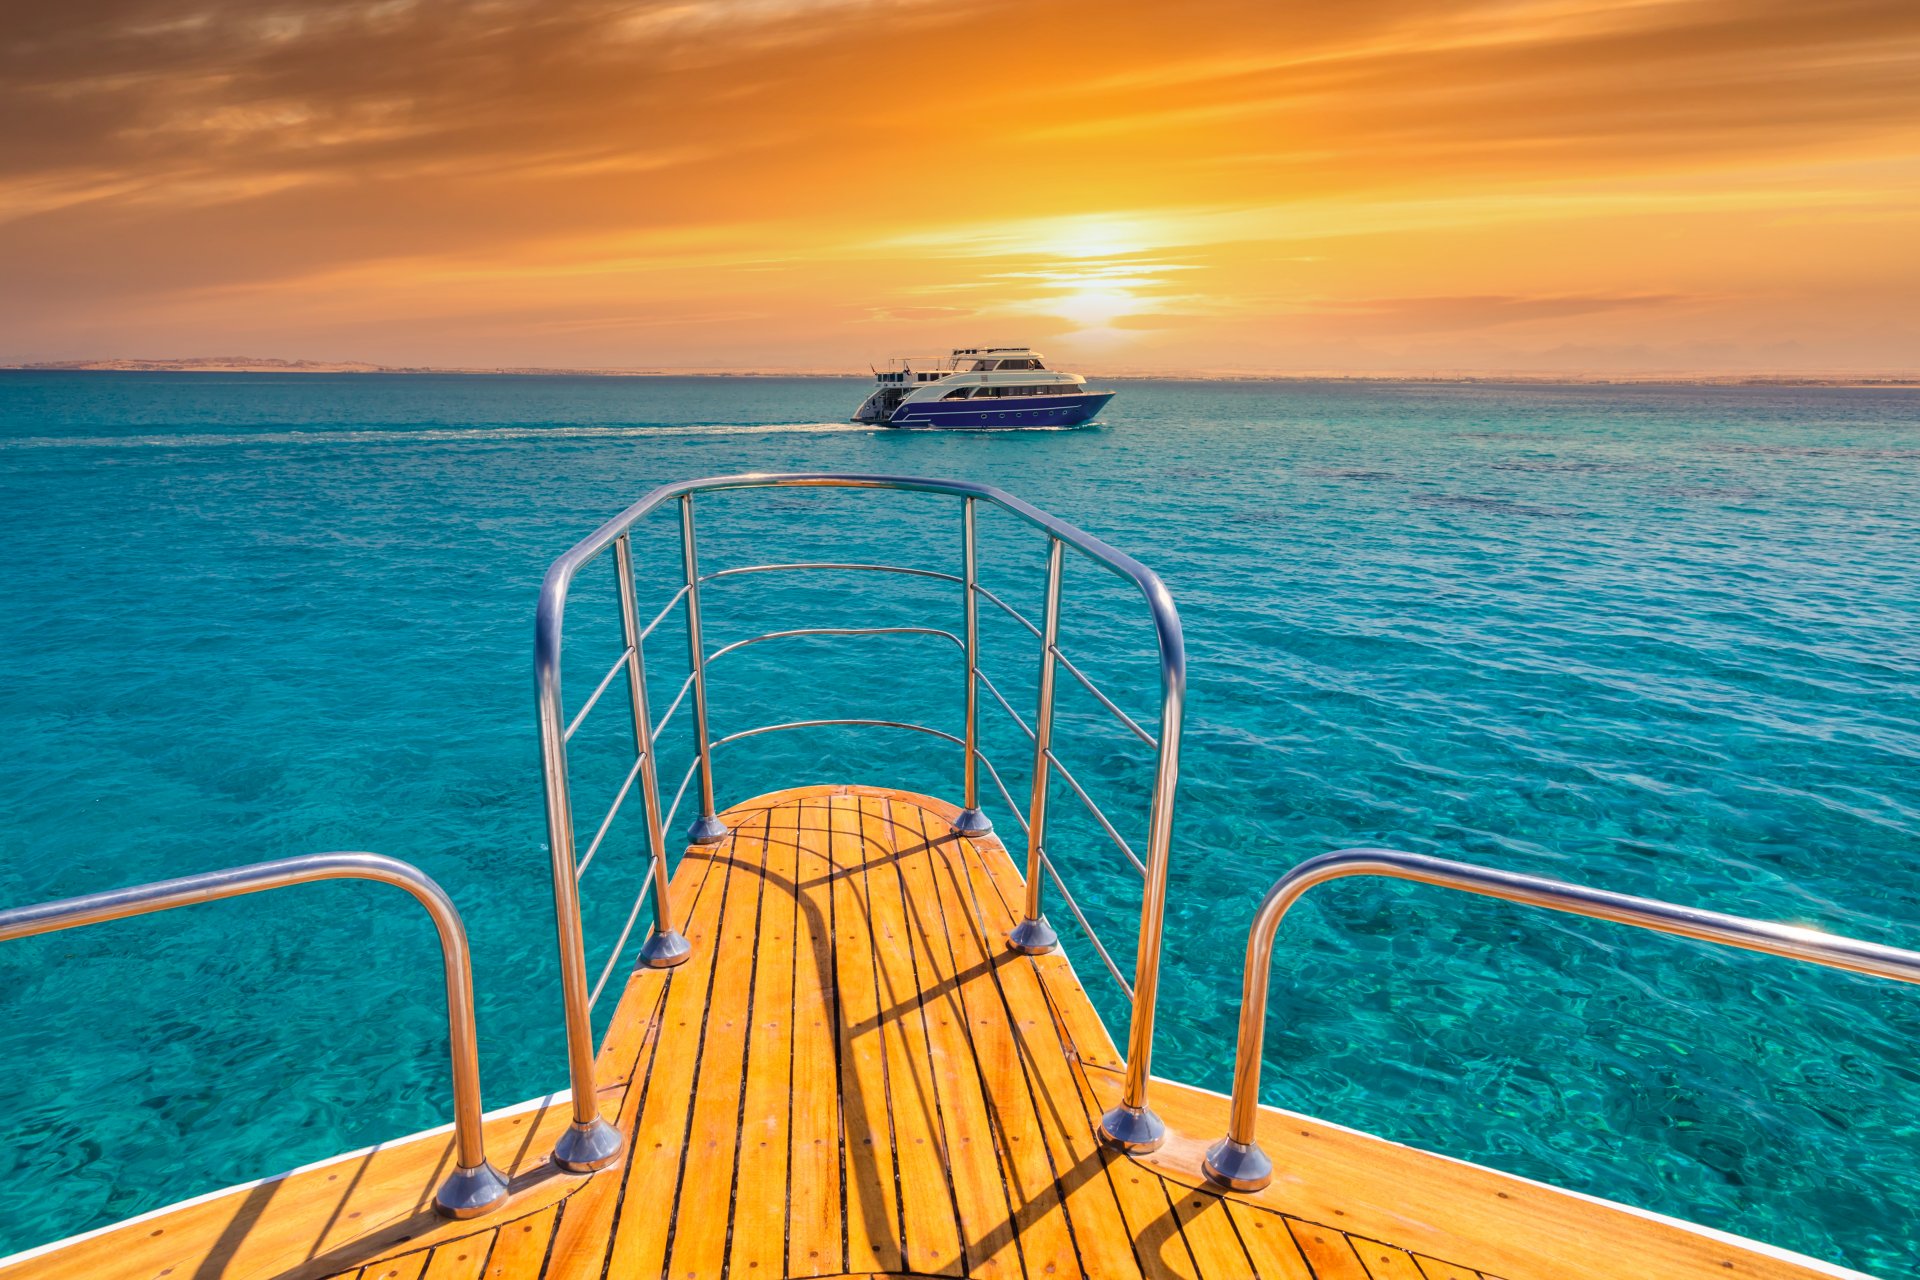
1033,934
475,1186
707,828
666,947
589,1142
970,821
1131,1125
1236,1160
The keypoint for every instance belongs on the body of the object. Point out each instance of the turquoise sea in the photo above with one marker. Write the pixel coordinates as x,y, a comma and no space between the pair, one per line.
1664,640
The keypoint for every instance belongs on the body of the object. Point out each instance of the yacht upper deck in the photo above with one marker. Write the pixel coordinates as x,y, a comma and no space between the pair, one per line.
913,370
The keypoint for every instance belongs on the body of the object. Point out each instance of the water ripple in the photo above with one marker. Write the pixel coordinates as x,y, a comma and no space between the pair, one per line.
1663,640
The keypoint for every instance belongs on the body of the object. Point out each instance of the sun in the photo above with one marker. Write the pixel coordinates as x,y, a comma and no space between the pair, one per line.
1094,236
1095,305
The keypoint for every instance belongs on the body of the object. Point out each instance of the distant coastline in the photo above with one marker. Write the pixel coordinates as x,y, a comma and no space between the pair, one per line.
248,364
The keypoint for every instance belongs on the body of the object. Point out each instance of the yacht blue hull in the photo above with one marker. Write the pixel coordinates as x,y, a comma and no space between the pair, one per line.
1026,411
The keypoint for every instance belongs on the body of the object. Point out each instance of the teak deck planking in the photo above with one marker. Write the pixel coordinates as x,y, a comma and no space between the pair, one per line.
853,1076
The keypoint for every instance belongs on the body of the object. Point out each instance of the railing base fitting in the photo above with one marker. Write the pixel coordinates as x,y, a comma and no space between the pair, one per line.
1135,1130
468,1193
587,1148
1033,937
972,822
706,830
1238,1166
665,950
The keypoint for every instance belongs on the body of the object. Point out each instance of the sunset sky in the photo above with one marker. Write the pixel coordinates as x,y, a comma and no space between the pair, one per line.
1212,185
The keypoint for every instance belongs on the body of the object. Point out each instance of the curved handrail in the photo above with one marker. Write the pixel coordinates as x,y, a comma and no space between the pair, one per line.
1236,1161
475,1186
559,577
757,730
1166,617
619,665
905,570
842,632
590,1143
1009,610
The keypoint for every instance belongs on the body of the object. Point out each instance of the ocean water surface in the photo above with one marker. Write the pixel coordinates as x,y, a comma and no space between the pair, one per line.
1664,640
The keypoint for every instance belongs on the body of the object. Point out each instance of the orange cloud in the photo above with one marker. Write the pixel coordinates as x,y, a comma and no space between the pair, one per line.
797,183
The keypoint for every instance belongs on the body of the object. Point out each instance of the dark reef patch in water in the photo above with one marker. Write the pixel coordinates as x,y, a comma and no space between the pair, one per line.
1349,473
1706,493
1563,465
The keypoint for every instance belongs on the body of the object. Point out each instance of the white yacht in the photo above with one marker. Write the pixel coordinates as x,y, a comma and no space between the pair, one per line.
979,387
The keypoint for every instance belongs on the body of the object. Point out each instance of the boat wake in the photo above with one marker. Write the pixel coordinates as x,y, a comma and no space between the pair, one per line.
431,435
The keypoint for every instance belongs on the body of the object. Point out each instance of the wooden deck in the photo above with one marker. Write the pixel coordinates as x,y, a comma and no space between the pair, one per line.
854,1077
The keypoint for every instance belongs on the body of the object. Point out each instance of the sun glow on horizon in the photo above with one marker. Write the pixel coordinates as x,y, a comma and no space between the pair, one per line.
1224,184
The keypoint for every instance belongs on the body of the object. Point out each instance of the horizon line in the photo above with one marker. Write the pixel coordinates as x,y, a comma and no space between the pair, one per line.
268,364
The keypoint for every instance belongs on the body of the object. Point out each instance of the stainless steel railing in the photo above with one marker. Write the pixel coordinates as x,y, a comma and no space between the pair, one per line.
1237,1161
474,1186
590,1142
